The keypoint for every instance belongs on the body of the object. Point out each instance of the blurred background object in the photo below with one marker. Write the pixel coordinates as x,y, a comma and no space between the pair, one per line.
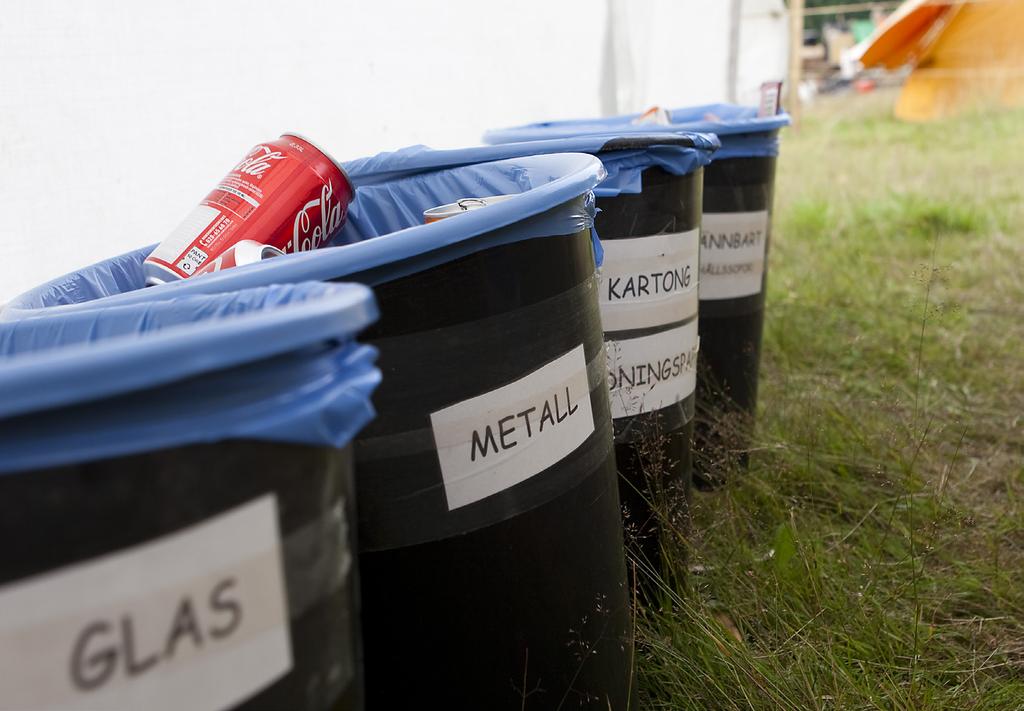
965,55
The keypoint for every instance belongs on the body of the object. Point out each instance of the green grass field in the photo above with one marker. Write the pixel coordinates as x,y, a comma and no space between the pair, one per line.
873,557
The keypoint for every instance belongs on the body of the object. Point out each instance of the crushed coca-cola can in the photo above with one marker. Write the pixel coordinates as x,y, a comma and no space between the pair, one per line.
247,251
460,206
287,193
655,116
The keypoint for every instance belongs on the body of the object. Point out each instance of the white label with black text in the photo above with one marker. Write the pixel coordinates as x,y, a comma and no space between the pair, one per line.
652,372
194,225
732,251
649,281
196,620
496,440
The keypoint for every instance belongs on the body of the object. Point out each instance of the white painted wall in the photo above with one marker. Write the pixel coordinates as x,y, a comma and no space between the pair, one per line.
116,117
676,52
764,47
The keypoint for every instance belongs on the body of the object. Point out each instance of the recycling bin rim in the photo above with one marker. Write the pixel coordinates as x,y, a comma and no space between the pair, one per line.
700,140
384,166
580,173
738,120
81,372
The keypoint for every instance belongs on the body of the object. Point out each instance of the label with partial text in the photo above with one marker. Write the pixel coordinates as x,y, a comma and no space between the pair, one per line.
652,372
732,254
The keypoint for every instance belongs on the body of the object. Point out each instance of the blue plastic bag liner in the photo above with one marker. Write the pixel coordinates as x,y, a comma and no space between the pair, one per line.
384,237
277,363
743,133
625,157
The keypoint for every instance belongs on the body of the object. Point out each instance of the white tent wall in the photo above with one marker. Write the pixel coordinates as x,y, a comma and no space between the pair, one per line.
678,53
116,117
763,47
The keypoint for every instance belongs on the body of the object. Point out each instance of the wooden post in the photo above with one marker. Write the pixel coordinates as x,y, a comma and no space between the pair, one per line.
796,43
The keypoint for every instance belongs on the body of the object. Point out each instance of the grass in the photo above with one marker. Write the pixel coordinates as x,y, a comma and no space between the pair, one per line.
873,556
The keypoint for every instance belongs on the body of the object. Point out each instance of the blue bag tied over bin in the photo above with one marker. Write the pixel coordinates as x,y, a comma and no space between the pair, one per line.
742,132
625,157
383,239
275,363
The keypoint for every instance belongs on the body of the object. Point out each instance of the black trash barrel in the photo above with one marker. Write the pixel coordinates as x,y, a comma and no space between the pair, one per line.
738,187
654,236
489,514
492,564
179,481
525,571
649,222
737,226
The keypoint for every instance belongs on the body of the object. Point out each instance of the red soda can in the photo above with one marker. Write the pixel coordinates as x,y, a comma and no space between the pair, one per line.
286,193
247,251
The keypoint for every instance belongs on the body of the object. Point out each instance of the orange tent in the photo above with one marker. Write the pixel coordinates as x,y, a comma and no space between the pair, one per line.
965,53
